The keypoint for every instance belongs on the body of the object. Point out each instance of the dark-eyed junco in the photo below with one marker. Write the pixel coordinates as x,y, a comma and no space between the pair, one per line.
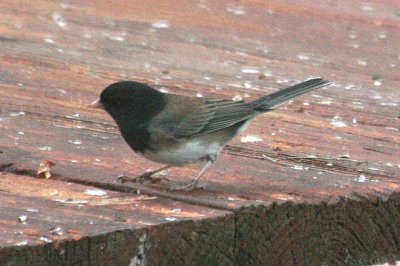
178,130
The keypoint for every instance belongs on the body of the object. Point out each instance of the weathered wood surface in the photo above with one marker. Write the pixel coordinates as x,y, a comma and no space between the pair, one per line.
321,187
46,222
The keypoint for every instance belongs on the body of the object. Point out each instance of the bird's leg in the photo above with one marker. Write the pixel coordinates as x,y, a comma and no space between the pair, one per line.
145,177
192,185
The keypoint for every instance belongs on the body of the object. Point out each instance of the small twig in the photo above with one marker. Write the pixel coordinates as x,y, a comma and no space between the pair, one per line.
325,158
308,167
276,161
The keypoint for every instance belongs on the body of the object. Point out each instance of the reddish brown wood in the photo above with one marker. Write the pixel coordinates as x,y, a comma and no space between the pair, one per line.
41,217
322,160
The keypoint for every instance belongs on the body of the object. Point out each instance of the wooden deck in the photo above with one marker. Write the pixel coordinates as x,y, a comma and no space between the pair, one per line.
314,183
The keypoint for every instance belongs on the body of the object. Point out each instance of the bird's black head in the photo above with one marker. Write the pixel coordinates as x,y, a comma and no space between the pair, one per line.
130,102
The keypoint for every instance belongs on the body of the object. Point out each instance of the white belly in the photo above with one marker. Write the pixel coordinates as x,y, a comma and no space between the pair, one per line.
189,152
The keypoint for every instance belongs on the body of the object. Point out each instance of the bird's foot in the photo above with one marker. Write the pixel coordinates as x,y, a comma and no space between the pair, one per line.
188,187
145,178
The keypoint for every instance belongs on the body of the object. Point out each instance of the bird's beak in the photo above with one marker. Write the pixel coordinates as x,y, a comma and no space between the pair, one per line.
96,104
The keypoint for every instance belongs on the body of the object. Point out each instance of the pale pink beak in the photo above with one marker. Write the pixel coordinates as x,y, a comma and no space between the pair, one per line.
96,104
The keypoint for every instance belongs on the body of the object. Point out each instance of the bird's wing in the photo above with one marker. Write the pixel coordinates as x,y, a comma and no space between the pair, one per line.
227,113
208,116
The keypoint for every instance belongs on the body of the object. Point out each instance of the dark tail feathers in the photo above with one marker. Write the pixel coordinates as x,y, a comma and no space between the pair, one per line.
270,101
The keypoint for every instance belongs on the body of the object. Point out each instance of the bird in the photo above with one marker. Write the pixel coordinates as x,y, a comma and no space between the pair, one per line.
177,130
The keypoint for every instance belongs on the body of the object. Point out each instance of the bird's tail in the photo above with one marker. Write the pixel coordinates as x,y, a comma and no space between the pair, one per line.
270,101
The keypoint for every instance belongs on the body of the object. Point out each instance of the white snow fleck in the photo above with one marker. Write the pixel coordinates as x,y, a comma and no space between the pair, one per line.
71,201
250,138
361,178
160,24
362,62
14,114
376,96
377,82
203,5
45,239
282,81
22,243
163,90
116,36
316,96
267,74
338,122
349,87
247,85
22,219
382,35
366,7
170,219
298,167
237,10
45,148
389,104
250,70
59,20
241,53
303,56
352,35
73,116
237,98
88,35
96,192
57,231
48,40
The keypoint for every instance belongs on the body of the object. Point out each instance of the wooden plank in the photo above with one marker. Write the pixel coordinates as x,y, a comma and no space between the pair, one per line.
338,145
47,222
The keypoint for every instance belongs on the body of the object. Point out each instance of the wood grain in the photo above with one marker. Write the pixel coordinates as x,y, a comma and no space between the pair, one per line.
326,169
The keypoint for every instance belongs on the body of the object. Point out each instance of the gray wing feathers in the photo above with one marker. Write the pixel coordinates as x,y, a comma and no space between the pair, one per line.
212,116
193,123
216,114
